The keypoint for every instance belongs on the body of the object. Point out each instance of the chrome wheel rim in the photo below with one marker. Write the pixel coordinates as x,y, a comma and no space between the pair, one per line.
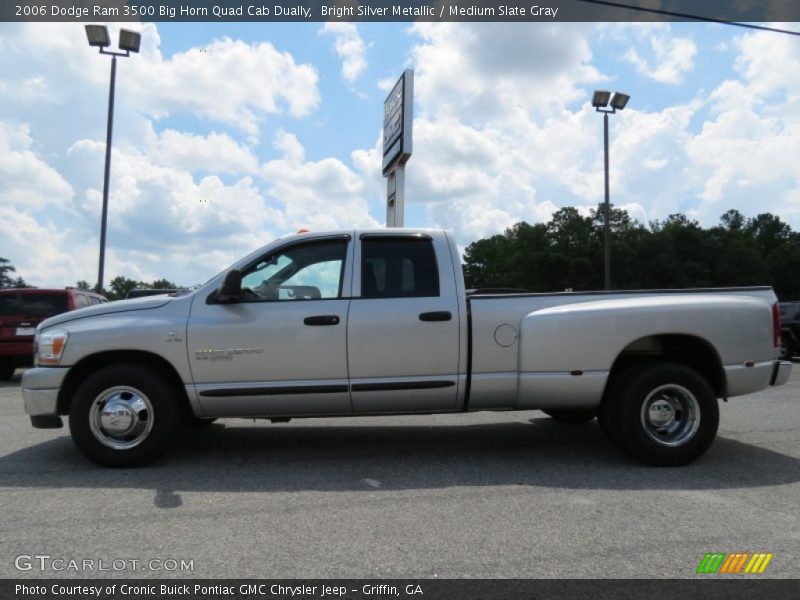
670,415
121,417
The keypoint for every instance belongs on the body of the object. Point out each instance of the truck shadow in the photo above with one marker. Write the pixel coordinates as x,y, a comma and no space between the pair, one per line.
363,457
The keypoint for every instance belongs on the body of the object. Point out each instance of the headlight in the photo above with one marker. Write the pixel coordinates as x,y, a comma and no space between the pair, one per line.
49,346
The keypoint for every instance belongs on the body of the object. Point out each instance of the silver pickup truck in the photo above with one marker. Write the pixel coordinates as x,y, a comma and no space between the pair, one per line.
378,322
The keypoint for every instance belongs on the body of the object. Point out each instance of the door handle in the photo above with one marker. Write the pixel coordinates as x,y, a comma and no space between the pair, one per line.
322,320
439,315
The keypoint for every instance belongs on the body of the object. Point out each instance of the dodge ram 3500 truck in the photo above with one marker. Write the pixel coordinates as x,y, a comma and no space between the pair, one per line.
378,322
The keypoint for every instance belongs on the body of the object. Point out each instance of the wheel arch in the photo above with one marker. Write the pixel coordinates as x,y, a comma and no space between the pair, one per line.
92,363
689,350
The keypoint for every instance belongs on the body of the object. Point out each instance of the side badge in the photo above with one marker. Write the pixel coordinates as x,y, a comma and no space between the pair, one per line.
214,354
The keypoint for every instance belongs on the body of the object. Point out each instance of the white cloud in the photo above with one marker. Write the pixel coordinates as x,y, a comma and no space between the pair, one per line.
214,153
227,81
765,60
165,222
25,179
183,204
748,151
349,46
325,194
44,253
387,83
493,140
654,164
483,70
672,59
163,209
490,151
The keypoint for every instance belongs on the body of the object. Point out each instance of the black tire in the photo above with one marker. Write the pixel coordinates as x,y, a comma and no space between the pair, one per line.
137,395
787,347
6,371
607,425
573,416
662,414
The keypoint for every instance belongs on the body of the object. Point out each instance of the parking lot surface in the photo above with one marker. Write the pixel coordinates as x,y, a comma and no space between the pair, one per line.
477,495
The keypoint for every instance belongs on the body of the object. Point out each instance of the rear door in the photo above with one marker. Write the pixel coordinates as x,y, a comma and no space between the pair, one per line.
403,328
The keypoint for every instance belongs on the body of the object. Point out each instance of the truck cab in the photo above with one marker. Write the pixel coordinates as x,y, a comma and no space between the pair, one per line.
324,325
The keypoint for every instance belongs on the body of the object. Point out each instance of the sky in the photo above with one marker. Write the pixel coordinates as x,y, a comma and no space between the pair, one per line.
229,135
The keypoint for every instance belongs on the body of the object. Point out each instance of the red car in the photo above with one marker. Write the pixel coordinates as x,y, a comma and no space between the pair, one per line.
21,310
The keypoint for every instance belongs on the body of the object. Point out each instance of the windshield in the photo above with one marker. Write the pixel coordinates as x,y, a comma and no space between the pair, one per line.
32,305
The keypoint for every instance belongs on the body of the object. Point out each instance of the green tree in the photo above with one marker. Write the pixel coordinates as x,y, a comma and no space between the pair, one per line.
6,280
574,259
162,284
120,286
676,255
769,231
567,252
487,263
19,282
734,253
628,236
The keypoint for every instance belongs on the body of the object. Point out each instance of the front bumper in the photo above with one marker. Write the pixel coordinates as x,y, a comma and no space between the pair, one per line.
40,392
781,372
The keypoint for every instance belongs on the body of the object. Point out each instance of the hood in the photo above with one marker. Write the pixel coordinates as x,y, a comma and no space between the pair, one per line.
118,306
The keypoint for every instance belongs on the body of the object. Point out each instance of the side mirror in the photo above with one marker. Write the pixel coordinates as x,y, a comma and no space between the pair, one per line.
230,290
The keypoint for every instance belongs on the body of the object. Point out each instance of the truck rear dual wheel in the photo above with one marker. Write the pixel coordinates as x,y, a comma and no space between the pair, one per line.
124,416
662,414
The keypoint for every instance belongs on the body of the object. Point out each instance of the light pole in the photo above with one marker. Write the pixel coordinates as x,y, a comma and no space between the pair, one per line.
129,41
600,103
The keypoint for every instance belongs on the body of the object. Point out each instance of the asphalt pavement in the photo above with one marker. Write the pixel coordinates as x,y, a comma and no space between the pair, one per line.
477,495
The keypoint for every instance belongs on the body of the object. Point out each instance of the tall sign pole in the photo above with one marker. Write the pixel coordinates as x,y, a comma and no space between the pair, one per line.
397,121
606,213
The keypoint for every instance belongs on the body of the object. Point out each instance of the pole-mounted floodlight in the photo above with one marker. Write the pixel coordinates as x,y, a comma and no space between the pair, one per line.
129,41
619,101
600,101
98,35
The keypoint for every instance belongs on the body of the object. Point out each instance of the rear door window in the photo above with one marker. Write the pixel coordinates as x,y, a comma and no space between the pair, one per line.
398,267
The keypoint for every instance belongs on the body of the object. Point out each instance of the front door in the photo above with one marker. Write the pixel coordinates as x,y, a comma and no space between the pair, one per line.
282,350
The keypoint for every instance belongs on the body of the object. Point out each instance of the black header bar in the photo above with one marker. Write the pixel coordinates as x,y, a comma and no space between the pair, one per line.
546,11
708,587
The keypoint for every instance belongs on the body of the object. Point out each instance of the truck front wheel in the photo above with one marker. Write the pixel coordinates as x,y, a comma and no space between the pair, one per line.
123,416
662,414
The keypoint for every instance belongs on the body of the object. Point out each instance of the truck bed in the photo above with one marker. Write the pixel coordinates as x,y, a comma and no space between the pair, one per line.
502,356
